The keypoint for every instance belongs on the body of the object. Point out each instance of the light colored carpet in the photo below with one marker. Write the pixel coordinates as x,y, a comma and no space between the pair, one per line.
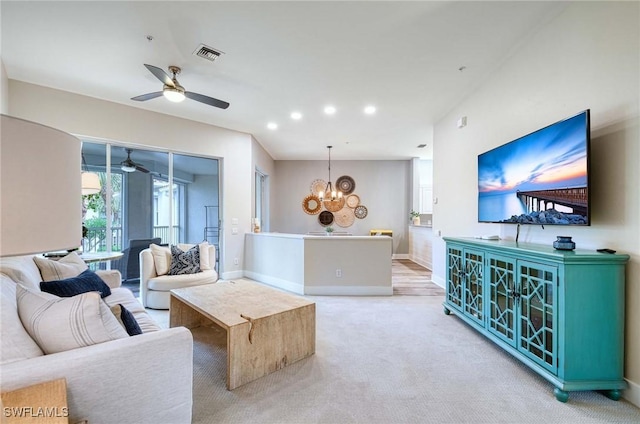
394,359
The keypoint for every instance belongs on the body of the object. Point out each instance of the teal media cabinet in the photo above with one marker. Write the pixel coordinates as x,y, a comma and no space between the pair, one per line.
559,312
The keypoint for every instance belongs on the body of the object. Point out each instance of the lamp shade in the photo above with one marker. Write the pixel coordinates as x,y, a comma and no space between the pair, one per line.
40,203
90,183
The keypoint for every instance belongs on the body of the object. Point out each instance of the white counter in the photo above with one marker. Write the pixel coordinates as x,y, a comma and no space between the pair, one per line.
420,245
320,265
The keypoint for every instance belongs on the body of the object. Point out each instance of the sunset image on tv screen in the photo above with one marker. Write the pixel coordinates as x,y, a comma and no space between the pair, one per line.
540,178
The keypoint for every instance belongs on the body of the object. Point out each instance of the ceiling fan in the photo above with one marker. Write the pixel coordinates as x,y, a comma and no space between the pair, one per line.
128,165
173,91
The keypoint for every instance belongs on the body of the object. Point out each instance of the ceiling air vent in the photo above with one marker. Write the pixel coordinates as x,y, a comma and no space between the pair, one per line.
207,52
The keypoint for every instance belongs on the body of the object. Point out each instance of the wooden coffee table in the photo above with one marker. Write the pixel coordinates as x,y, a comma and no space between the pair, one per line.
266,329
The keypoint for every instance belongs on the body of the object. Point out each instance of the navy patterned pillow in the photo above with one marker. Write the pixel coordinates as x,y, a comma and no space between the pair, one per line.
126,319
184,262
88,281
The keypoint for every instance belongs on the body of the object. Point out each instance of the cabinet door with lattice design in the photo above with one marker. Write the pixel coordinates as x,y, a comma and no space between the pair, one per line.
455,276
501,285
473,285
538,318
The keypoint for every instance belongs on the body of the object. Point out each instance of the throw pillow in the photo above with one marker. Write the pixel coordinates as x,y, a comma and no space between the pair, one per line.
204,254
184,262
86,282
205,264
69,266
161,258
126,319
62,324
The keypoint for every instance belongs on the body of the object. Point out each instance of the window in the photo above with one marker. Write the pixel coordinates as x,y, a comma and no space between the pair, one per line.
260,200
156,194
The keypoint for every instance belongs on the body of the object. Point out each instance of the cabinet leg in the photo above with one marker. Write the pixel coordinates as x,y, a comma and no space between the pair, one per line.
446,310
613,394
561,395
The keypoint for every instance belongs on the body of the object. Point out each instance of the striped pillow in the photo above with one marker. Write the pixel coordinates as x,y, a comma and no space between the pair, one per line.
62,324
69,266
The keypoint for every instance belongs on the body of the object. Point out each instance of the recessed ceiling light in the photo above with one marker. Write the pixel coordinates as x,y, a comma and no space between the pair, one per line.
329,110
272,126
370,110
421,146
296,115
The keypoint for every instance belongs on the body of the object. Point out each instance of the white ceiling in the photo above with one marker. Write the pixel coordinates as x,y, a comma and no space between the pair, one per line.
403,57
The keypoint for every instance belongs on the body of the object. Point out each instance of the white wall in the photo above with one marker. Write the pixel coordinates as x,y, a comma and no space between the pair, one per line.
587,57
86,116
383,187
4,90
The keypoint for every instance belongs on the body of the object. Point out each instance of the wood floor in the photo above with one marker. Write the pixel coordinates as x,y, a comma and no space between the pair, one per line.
410,279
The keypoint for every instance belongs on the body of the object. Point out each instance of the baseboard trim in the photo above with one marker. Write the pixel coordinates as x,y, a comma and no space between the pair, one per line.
400,256
276,282
632,394
348,291
438,281
231,275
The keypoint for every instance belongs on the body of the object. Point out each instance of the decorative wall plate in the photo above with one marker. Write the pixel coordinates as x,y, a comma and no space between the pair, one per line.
334,205
317,186
346,184
325,218
312,204
360,212
353,200
344,217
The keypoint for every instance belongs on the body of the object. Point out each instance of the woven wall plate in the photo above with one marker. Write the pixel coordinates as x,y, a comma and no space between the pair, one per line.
360,212
334,205
346,184
325,218
353,200
317,186
344,217
312,204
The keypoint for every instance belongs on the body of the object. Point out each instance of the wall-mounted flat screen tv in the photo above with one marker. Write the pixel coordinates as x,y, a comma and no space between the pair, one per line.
540,178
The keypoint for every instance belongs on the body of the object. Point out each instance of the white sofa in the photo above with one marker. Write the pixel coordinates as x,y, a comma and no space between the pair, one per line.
145,378
155,289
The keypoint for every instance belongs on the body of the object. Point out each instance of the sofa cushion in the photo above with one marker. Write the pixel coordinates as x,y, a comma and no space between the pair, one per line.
169,282
126,319
16,344
126,298
62,324
87,281
21,269
69,266
184,262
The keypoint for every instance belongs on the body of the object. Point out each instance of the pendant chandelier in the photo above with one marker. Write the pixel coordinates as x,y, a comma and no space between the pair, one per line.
330,193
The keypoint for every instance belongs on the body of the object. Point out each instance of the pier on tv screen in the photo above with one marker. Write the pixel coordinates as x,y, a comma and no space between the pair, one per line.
540,178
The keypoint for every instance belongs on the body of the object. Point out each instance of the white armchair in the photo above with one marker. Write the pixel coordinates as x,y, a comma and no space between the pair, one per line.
155,283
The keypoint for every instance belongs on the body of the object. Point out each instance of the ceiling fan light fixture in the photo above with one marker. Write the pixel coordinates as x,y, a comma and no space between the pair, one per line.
128,167
173,94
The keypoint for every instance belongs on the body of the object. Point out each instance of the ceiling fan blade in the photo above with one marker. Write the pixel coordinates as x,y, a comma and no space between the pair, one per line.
148,96
141,169
160,74
206,100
